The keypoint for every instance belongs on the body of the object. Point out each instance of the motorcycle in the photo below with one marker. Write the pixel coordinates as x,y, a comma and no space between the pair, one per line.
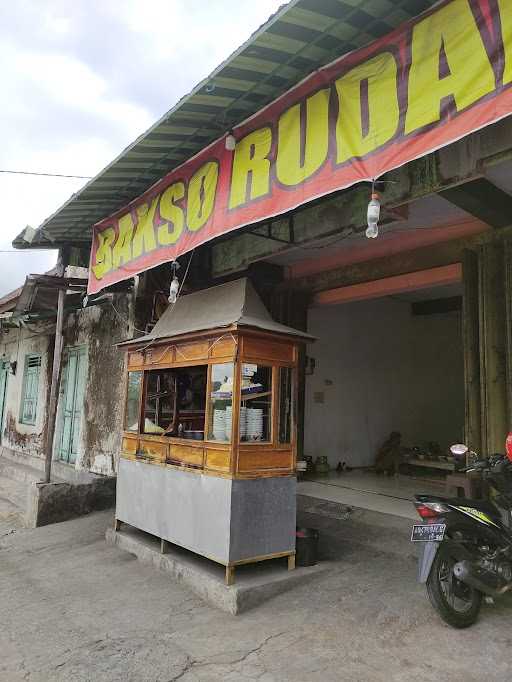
467,543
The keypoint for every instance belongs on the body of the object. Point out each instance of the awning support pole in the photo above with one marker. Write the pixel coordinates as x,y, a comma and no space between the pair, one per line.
54,390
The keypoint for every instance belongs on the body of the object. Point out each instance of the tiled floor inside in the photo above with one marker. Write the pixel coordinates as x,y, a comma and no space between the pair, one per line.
386,494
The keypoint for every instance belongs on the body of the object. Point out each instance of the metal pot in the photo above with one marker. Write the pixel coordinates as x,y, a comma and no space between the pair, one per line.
194,435
322,465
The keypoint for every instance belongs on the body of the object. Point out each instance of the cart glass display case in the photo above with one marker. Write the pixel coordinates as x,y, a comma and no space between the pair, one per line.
168,407
210,429
220,402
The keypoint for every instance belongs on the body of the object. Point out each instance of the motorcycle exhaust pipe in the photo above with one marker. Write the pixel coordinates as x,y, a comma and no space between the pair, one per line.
481,580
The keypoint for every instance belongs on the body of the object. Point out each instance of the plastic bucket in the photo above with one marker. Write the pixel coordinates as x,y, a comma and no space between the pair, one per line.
306,546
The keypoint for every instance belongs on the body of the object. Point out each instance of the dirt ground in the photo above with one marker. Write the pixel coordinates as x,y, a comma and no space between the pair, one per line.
74,609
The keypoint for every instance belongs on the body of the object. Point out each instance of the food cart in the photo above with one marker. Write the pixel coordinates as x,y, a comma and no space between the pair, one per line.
209,445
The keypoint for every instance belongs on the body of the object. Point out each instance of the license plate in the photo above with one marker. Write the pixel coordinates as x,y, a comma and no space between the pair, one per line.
428,532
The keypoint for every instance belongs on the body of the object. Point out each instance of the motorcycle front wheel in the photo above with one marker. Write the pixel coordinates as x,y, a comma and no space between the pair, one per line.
458,604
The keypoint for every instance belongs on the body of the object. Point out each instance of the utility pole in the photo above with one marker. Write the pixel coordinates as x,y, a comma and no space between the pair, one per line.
54,390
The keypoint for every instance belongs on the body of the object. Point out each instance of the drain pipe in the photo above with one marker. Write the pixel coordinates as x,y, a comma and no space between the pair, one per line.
54,390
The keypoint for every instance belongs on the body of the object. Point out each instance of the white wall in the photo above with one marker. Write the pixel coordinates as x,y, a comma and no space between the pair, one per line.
15,344
380,369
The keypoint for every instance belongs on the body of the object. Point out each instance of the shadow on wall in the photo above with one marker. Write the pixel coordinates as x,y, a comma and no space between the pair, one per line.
380,369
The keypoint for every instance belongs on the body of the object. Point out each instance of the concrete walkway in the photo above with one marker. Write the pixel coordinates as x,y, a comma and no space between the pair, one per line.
15,481
383,494
75,610
13,500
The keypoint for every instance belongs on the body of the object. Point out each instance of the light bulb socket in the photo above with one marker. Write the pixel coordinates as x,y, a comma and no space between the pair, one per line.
230,142
373,231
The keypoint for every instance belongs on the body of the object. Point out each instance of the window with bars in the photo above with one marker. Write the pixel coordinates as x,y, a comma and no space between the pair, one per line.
30,389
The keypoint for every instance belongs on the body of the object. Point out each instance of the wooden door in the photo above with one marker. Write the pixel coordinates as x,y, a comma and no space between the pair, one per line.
72,402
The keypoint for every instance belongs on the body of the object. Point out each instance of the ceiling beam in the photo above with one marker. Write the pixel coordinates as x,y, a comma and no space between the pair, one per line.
483,200
389,286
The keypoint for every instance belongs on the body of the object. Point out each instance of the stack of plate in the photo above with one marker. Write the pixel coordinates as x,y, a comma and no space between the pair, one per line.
254,424
229,421
243,423
219,425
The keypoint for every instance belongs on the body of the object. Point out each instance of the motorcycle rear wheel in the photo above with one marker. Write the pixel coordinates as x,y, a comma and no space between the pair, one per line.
458,604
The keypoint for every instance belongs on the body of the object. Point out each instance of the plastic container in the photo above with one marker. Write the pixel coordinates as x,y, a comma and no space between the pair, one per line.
306,546
322,466
301,468
310,464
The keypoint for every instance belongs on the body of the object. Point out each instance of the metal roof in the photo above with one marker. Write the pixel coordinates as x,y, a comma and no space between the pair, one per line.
234,305
8,302
37,297
299,38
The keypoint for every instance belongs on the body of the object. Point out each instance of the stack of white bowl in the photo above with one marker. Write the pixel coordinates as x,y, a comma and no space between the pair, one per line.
254,424
219,424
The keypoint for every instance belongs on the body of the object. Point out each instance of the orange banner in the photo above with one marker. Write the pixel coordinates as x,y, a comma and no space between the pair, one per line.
434,80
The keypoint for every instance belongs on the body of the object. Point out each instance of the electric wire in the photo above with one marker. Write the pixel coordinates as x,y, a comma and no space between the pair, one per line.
355,233
123,318
44,331
184,277
47,175
337,239
141,350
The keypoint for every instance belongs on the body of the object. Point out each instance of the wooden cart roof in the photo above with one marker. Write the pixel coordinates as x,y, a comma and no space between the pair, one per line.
226,305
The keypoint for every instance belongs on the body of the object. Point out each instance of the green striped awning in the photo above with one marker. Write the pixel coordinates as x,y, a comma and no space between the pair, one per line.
300,37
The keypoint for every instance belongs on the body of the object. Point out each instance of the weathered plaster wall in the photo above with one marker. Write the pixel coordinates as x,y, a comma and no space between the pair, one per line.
379,369
98,328
15,345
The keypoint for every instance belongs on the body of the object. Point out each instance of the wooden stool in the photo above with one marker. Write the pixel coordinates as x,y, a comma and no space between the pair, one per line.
455,483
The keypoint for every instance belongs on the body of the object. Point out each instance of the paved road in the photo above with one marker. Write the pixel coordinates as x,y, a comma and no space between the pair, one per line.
73,609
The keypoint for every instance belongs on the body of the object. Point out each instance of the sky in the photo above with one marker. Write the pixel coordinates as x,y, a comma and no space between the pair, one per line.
82,79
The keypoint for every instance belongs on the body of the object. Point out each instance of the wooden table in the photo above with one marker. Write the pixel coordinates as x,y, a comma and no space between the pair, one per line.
432,464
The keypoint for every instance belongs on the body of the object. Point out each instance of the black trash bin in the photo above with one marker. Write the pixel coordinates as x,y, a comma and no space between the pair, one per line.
306,546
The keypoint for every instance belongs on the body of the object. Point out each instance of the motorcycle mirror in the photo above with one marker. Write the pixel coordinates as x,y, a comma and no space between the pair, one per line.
459,449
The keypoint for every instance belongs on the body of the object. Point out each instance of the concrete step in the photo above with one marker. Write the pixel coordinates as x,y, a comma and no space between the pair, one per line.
17,471
14,467
346,530
16,479
382,503
254,583
79,493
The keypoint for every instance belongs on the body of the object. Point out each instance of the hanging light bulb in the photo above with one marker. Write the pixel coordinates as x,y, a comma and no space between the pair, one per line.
230,141
373,216
174,289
